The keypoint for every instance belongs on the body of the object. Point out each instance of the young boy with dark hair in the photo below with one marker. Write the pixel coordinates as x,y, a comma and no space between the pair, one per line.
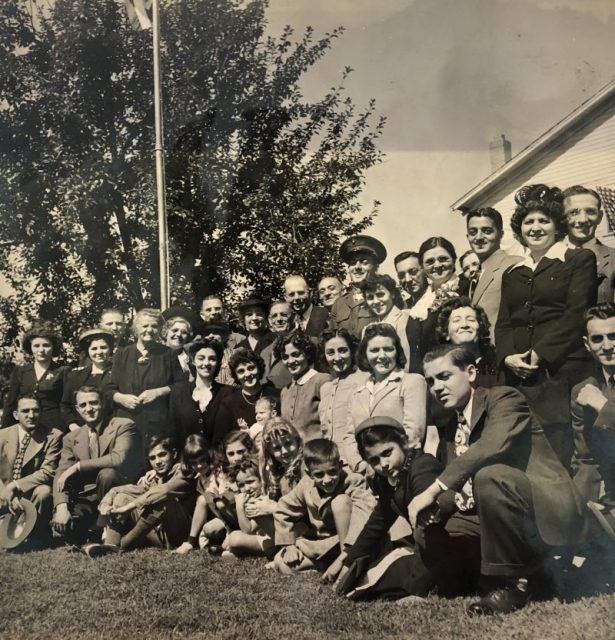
323,514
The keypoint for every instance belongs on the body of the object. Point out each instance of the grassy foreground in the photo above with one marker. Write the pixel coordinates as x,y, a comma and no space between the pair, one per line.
151,594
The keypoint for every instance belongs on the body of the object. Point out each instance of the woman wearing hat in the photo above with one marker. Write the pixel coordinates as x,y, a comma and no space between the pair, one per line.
362,255
96,347
253,312
42,377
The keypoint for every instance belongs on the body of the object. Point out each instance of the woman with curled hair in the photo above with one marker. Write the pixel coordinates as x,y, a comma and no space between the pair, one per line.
41,377
386,391
462,322
384,300
301,397
338,348
195,405
238,407
141,377
539,331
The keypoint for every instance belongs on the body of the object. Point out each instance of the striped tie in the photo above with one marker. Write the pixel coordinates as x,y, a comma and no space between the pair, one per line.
18,464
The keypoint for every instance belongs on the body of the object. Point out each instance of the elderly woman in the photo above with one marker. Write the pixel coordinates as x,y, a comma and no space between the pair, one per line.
237,409
195,405
96,350
539,331
141,377
461,322
384,300
338,348
299,400
177,333
386,391
42,377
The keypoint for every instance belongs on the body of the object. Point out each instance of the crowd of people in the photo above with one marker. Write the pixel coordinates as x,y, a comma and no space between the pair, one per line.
442,433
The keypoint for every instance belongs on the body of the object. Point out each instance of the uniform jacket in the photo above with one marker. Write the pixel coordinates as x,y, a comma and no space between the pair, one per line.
393,503
119,446
48,390
40,460
503,431
488,290
543,309
594,442
350,314
403,397
306,502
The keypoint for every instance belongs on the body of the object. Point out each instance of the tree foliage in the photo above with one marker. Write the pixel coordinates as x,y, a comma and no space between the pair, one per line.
260,182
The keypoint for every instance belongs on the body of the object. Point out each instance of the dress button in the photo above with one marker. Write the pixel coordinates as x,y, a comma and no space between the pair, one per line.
527,304
200,420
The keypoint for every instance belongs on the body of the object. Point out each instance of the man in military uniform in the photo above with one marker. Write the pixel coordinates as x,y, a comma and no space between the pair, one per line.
362,255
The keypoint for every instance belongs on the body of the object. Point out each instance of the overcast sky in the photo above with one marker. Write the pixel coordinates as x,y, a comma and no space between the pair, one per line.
449,75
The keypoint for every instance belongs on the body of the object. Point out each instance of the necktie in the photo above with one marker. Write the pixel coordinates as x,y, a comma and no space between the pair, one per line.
94,450
18,464
611,382
464,499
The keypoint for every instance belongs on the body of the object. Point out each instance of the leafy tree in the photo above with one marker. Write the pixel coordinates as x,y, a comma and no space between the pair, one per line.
261,183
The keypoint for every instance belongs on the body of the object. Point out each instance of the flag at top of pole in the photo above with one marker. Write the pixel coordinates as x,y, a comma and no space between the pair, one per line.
138,13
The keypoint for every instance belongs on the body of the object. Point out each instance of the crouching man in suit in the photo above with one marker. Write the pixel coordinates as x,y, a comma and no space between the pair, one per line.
503,486
29,455
96,457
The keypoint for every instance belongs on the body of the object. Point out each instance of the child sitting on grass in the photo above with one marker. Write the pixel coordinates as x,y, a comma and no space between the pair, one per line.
371,568
334,502
154,512
255,535
215,495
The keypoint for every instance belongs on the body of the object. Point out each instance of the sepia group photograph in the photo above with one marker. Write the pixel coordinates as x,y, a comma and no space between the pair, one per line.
307,319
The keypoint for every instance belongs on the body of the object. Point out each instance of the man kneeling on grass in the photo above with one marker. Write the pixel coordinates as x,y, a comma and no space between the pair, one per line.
96,457
323,514
503,489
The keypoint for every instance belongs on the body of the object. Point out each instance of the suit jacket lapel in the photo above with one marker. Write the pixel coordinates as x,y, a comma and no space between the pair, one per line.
479,402
82,444
12,445
36,444
104,439
383,392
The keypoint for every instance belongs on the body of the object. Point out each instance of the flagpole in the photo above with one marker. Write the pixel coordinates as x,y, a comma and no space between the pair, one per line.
163,238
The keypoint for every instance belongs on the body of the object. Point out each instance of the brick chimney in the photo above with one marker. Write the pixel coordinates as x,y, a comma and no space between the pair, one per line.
499,152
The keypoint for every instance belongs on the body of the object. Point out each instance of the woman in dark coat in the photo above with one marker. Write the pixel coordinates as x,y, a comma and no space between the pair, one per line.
42,377
195,405
539,331
141,377
96,346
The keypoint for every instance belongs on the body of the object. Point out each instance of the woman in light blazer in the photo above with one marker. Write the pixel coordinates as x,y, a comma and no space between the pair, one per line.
387,391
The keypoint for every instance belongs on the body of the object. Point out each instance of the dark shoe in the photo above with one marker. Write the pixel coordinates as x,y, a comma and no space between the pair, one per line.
215,549
605,518
504,600
95,550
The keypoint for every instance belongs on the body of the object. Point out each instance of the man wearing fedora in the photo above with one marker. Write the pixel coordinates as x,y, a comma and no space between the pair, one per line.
95,457
362,255
29,455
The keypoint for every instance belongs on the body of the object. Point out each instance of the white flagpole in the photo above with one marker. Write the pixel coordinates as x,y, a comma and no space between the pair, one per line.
163,239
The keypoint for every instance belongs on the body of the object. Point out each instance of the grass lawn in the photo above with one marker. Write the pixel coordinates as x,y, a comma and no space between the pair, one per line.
152,594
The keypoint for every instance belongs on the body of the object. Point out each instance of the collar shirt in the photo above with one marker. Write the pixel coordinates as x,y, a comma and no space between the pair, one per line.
556,252
202,394
22,433
590,244
308,375
374,387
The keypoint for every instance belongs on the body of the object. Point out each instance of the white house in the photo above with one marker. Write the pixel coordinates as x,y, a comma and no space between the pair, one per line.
580,149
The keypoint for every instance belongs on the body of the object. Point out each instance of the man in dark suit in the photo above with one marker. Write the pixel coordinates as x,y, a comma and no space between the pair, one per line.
411,276
583,211
96,457
593,411
502,484
484,231
29,455
312,320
